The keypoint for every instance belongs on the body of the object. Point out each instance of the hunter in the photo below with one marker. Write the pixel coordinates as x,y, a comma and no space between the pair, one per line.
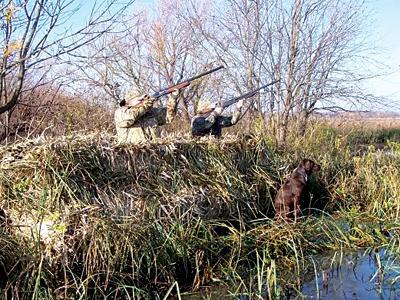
209,120
138,118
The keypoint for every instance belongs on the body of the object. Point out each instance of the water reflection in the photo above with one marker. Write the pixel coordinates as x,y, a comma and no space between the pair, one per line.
359,275
337,275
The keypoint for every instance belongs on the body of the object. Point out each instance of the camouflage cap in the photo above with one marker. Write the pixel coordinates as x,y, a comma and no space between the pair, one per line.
205,106
133,94
133,98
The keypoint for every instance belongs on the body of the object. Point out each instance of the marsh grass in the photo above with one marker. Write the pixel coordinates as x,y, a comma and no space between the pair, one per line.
92,219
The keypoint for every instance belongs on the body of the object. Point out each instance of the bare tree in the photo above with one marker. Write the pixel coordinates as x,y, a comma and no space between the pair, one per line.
233,34
151,53
312,46
36,37
324,40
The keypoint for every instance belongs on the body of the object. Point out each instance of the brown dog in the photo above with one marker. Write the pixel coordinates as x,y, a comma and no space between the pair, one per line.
287,200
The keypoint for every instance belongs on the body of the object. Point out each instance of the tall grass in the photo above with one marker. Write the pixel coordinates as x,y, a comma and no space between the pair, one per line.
92,219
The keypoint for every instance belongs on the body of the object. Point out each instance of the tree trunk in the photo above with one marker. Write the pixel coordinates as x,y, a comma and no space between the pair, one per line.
283,129
185,111
302,123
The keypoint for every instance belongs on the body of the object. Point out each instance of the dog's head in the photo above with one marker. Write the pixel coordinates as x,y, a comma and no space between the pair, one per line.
310,166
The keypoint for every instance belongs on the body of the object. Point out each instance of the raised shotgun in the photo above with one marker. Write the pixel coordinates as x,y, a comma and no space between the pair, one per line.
245,96
179,85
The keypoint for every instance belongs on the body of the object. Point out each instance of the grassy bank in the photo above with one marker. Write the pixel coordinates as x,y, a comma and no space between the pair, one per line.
91,219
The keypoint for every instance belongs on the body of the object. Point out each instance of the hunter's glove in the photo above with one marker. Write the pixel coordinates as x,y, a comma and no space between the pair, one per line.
175,94
218,110
240,103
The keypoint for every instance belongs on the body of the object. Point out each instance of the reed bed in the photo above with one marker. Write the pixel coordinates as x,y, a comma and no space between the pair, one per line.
92,219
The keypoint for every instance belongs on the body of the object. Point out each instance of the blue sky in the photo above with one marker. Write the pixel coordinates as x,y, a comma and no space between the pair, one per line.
386,34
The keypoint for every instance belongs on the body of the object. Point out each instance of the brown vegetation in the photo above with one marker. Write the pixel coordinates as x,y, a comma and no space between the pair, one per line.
48,112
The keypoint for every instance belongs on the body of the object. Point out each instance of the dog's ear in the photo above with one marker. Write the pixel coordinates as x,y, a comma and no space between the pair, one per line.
316,167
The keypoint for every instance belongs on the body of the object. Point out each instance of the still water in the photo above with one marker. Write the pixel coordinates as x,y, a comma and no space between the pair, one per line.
357,275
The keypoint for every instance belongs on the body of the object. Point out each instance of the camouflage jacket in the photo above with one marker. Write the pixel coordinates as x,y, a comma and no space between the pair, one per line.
212,123
141,123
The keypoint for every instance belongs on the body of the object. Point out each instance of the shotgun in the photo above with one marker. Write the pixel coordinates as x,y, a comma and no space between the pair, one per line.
245,96
179,85
183,83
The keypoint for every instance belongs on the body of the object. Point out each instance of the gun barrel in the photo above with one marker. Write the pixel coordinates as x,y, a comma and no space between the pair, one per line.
247,95
205,73
183,83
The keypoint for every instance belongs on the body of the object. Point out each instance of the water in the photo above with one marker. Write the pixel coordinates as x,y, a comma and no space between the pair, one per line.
357,275
337,275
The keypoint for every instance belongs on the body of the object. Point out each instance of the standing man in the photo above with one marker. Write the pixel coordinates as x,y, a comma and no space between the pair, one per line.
210,121
137,118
